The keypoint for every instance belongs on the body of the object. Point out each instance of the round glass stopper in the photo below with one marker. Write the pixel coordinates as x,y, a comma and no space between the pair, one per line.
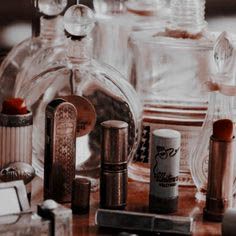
79,20
52,7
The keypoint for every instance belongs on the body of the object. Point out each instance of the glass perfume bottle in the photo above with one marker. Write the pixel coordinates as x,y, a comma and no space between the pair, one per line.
111,96
221,106
19,58
116,20
171,65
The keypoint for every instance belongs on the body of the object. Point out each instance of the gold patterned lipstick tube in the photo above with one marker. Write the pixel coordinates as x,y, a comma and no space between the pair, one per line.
60,150
114,176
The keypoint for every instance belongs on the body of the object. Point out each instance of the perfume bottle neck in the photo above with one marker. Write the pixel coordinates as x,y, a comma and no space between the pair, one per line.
188,16
109,6
79,50
51,29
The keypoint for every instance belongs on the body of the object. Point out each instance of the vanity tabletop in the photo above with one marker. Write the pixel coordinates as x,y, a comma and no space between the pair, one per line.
137,201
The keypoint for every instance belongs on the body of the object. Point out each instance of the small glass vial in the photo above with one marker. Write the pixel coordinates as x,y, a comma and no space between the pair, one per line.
20,57
172,64
79,76
116,21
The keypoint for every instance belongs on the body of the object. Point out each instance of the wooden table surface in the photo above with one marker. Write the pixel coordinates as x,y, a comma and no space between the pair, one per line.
137,201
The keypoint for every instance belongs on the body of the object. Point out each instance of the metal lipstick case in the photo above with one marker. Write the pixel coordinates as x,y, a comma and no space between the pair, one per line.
114,177
220,179
60,150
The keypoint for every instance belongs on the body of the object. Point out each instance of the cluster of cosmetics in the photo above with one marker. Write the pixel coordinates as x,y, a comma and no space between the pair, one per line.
84,126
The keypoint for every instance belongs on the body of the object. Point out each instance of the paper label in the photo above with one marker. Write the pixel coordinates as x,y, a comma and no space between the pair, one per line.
165,167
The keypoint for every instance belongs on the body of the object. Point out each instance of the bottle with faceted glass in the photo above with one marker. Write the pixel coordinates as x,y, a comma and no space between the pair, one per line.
20,57
78,78
221,106
116,20
171,65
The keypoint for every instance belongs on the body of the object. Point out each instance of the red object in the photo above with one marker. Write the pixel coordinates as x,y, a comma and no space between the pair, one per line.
223,130
14,106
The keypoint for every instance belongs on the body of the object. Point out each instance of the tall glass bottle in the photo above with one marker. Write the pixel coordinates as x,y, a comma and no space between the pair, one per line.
116,20
171,65
221,106
111,96
19,58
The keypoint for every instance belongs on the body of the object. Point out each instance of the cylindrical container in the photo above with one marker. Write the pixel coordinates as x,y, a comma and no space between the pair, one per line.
80,196
228,224
15,138
164,174
114,176
220,179
60,150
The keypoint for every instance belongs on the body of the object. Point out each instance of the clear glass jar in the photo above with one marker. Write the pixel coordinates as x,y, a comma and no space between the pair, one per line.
12,74
116,20
171,65
79,75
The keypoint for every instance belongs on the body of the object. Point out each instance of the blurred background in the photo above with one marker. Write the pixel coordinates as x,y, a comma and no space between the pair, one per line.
16,17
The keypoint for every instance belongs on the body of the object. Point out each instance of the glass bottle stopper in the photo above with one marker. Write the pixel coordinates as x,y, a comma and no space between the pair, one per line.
79,20
188,15
51,7
223,54
224,58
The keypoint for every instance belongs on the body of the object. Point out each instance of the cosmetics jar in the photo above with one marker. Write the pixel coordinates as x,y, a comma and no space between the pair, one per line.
16,138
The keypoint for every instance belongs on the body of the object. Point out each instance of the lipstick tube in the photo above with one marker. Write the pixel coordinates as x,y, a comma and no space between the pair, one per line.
60,150
164,174
148,224
114,176
220,178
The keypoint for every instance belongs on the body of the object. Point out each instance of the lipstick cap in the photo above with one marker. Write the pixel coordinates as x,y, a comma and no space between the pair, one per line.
114,142
80,195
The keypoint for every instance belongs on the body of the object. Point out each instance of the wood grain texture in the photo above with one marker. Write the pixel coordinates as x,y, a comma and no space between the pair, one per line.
84,225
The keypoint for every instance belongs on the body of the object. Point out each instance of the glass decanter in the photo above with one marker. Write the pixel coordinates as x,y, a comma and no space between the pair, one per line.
80,76
221,106
20,57
171,65
116,20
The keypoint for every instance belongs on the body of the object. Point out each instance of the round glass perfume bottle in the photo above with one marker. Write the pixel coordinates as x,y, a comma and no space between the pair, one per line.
20,57
221,106
171,65
81,77
116,20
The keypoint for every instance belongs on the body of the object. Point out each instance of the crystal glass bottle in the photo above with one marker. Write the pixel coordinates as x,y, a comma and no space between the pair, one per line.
116,20
171,65
19,58
80,76
220,107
